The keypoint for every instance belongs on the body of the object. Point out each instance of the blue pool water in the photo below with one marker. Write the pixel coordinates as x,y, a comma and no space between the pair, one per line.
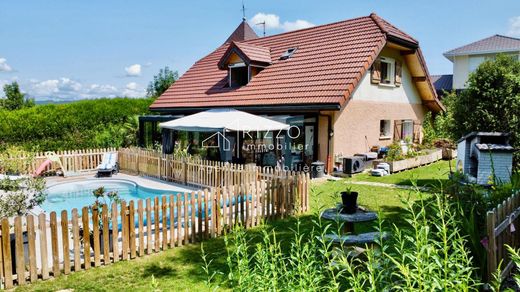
68,196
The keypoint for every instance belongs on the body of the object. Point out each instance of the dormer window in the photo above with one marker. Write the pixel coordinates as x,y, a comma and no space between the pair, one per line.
238,74
287,54
243,61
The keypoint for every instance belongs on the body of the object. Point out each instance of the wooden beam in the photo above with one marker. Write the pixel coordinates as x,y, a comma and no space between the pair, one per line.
419,78
407,52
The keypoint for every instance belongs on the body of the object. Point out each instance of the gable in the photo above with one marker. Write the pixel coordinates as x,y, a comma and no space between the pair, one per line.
405,93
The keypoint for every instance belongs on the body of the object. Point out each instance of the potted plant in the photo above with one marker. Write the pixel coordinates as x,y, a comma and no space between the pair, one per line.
102,197
349,201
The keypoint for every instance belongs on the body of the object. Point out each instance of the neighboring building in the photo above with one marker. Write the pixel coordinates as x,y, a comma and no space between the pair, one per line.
345,86
466,59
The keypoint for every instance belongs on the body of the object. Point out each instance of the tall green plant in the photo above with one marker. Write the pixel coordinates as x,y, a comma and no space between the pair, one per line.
429,254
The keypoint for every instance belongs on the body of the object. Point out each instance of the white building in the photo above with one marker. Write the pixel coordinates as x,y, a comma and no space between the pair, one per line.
467,58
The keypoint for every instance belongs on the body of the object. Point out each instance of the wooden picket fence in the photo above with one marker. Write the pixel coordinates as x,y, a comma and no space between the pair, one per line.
72,161
195,172
501,224
48,245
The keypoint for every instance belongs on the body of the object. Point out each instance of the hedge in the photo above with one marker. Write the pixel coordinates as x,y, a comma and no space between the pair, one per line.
68,126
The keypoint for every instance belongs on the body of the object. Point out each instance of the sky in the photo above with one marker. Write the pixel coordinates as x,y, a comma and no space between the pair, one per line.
67,50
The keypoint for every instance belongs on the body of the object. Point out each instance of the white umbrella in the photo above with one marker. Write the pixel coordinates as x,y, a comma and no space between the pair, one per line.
226,119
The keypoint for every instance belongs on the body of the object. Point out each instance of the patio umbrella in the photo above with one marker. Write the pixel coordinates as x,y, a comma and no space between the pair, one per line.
223,120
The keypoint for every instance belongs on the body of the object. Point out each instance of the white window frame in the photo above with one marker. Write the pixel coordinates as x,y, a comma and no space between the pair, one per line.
391,70
237,65
407,123
386,135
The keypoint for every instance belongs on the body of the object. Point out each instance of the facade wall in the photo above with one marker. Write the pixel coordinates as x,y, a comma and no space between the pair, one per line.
464,65
357,125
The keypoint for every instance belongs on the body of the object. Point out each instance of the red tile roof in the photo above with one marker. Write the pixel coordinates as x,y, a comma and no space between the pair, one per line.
242,33
252,53
329,62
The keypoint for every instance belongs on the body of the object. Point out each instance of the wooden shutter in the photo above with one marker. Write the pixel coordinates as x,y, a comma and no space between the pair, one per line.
398,73
375,76
398,130
417,131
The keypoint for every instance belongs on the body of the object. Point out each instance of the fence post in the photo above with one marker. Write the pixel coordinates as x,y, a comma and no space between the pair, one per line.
491,250
185,171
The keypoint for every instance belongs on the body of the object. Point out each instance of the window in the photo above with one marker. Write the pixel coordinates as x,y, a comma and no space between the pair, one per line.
387,70
238,74
287,54
384,129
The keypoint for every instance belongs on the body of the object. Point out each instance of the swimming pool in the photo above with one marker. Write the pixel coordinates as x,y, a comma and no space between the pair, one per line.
67,196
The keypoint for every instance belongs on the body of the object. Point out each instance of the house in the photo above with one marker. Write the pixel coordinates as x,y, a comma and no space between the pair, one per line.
343,87
467,58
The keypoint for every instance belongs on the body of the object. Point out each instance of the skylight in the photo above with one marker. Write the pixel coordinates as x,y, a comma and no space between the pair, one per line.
287,54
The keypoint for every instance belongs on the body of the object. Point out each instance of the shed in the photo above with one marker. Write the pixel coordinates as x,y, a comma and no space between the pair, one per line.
482,154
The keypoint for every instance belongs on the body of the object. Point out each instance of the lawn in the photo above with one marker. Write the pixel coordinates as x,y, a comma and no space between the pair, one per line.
180,269
430,175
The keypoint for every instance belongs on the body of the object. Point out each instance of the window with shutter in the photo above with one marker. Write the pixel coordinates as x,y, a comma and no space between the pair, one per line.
398,128
375,76
398,72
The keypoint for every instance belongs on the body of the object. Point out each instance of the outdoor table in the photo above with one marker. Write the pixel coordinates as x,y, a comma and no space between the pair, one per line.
361,215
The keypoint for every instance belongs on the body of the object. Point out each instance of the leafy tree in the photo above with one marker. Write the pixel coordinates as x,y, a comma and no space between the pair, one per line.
161,82
14,98
491,101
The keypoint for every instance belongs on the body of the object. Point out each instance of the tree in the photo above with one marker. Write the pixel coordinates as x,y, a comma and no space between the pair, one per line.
161,82
491,101
14,98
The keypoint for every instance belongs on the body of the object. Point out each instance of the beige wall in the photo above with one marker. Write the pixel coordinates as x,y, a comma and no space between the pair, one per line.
356,126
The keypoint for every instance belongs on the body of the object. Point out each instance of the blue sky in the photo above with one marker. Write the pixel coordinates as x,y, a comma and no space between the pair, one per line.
66,49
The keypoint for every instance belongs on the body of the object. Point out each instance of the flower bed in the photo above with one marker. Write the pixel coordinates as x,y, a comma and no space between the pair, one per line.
430,156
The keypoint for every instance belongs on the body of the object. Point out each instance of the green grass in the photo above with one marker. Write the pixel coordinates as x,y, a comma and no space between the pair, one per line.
180,269
430,175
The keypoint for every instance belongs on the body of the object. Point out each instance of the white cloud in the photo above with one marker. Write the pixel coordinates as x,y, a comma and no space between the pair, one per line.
133,70
131,86
68,89
4,67
514,26
133,90
272,21
298,24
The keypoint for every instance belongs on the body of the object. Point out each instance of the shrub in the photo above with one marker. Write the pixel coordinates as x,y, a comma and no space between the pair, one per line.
491,101
81,124
18,197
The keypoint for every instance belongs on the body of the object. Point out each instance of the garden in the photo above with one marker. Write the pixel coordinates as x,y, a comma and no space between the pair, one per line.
439,229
